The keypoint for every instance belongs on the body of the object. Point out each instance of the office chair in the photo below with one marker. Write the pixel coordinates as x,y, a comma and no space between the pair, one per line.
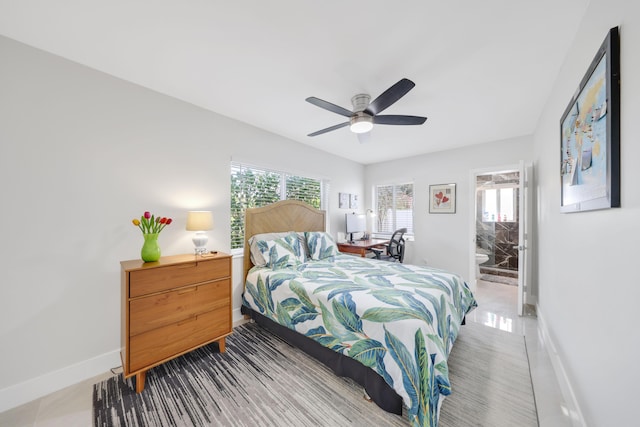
395,248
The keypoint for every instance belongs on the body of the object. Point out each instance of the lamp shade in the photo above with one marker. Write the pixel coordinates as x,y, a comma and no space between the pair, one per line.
199,220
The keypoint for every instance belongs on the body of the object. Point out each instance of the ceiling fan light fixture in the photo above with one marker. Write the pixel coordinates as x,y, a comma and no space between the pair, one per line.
361,123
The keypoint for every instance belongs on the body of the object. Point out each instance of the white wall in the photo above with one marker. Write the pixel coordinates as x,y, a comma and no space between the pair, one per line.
82,154
443,240
589,285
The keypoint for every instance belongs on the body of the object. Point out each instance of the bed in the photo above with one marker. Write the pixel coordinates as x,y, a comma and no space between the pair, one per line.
388,326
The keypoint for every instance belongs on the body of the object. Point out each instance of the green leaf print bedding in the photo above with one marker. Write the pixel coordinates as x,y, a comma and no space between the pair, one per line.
400,320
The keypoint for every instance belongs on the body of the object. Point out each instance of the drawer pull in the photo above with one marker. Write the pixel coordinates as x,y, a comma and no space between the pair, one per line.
186,291
185,266
190,319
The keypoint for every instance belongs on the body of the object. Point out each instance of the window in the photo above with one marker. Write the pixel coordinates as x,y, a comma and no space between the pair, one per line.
394,208
499,204
253,187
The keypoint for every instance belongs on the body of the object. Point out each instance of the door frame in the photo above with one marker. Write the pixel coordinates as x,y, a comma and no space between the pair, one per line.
522,268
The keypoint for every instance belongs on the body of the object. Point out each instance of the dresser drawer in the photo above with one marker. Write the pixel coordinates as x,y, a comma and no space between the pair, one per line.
163,309
143,282
166,342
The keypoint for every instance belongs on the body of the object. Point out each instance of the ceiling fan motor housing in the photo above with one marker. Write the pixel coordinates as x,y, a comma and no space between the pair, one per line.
360,102
360,122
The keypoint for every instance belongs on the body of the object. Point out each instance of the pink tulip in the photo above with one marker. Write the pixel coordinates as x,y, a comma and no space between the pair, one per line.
151,224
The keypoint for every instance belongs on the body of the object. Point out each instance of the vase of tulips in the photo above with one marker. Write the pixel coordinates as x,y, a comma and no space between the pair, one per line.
151,226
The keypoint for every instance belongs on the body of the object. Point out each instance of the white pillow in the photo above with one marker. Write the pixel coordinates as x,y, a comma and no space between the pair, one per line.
282,252
320,245
256,255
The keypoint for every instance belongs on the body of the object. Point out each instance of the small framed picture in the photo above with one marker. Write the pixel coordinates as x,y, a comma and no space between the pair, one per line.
442,198
353,201
343,200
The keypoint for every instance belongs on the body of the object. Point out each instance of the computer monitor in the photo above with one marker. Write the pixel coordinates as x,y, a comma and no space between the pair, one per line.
355,223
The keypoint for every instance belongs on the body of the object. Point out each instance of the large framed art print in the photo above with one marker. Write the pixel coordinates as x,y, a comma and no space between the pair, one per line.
590,135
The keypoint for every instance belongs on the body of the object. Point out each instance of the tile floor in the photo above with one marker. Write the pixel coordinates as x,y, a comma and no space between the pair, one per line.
497,308
71,407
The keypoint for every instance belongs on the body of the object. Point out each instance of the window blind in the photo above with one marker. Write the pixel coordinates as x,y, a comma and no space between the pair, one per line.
254,187
394,208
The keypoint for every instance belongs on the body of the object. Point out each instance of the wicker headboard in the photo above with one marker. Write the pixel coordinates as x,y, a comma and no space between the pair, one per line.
283,216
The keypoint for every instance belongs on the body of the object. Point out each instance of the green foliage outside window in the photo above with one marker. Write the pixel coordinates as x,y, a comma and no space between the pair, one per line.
306,189
254,188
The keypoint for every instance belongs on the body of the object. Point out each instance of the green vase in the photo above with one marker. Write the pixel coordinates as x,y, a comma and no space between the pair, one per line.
150,250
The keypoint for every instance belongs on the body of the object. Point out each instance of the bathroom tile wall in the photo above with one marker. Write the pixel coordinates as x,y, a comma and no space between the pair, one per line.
497,239
506,237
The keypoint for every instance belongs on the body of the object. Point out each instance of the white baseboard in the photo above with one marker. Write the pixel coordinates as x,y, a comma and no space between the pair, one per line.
19,394
532,300
236,316
35,388
561,374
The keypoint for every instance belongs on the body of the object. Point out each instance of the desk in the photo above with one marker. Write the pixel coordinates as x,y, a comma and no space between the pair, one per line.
361,247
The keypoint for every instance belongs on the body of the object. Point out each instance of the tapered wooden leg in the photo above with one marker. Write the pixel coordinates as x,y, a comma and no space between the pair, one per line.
140,379
221,344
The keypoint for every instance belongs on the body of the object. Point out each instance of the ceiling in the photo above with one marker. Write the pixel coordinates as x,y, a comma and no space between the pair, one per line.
483,69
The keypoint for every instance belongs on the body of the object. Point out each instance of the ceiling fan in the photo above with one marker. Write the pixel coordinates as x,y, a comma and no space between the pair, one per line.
365,114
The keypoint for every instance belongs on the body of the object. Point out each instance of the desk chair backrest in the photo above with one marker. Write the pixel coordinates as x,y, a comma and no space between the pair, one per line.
395,249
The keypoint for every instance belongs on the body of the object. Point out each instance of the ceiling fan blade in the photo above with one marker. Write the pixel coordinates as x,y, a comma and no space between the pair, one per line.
365,137
329,106
389,97
399,120
329,129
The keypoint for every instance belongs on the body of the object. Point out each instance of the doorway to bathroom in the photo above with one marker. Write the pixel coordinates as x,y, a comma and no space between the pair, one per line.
499,228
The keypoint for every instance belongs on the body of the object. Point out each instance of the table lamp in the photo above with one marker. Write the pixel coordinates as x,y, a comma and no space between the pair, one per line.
370,215
200,221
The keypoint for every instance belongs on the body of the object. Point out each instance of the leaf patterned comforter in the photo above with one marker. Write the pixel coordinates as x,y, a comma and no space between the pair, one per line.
400,320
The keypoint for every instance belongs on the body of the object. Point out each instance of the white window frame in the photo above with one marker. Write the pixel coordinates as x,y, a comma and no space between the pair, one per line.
324,189
394,225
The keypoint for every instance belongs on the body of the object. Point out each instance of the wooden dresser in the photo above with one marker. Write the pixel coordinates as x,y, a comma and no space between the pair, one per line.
171,307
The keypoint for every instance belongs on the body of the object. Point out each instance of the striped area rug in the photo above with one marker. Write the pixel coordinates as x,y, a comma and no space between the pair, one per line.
262,381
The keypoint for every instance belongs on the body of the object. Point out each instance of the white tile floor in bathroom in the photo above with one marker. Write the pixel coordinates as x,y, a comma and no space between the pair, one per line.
71,407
